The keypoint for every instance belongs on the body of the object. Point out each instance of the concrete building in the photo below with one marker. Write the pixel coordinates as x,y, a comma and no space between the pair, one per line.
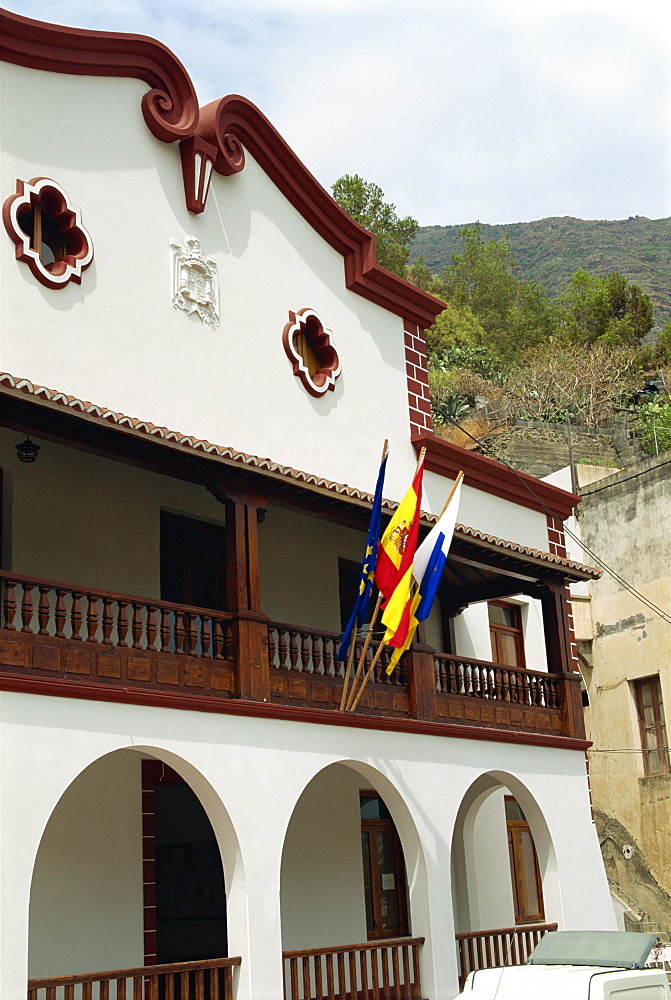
200,361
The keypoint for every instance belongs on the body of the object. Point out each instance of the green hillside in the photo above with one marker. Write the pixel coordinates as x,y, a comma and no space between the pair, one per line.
551,250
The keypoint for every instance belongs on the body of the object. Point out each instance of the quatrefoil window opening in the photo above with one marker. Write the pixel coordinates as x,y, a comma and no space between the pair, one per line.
48,232
309,347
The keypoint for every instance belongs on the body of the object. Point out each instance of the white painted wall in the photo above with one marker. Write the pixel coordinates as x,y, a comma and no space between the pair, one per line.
322,897
249,774
490,893
86,897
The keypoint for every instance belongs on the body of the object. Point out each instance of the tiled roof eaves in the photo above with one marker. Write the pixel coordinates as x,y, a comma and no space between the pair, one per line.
23,385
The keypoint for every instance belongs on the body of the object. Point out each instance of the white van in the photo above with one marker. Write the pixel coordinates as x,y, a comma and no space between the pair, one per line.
576,965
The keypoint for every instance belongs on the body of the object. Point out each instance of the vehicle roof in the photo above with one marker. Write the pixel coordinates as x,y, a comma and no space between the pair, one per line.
551,982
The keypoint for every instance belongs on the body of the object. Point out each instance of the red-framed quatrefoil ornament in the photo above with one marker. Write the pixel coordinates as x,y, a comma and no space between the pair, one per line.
48,232
311,351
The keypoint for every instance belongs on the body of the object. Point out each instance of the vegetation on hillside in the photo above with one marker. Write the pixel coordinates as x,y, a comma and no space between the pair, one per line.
550,251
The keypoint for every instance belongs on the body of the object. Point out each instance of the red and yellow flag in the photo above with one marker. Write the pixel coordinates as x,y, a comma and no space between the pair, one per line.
396,551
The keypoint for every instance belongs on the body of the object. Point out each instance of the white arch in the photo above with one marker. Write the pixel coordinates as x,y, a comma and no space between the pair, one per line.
118,776
480,790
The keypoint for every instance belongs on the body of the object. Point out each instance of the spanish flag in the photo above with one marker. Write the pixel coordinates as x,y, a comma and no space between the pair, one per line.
427,569
396,551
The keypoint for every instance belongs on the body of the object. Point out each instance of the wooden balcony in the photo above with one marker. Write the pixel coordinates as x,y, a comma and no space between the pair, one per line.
379,970
205,980
111,643
504,946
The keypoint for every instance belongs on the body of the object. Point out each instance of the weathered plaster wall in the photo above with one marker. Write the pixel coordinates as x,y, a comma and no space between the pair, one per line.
627,518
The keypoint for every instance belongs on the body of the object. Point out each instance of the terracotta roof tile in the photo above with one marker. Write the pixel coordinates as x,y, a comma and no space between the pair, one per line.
298,476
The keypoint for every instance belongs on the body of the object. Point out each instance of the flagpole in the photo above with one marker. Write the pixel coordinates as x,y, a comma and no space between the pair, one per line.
454,489
373,664
350,660
362,658
354,701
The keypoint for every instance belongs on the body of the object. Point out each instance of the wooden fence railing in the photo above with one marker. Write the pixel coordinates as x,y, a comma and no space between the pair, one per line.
291,647
379,970
479,679
505,946
211,979
44,607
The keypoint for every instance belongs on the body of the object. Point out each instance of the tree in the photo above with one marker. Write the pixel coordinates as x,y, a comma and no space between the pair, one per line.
557,379
456,326
609,310
513,314
365,203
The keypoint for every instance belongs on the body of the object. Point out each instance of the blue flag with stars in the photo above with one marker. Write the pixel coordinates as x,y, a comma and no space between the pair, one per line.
360,609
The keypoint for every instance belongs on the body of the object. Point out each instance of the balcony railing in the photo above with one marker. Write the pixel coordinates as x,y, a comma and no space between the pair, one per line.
207,980
479,679
43,607
505,946
380,970
52,630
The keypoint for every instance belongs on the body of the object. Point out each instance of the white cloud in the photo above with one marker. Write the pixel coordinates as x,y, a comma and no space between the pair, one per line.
460,109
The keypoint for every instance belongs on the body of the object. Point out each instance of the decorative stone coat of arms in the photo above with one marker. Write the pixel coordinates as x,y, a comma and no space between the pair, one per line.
195,287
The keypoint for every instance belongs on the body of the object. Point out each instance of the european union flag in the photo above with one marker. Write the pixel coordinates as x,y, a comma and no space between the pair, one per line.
360,609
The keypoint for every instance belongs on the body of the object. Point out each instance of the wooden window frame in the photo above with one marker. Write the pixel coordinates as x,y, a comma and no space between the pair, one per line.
514,827
660,728
372,826
516,632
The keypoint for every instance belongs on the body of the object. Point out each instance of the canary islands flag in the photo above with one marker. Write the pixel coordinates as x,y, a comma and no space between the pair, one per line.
366,579
427,569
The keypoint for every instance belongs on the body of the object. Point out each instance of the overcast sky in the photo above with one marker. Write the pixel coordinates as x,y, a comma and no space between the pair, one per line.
498,110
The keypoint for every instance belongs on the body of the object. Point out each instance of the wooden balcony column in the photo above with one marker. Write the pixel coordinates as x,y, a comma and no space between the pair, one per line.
560,660
250,627
421,679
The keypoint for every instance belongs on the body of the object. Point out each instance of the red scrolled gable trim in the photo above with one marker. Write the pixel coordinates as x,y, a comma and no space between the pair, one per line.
234,124
486,474
231,124
170,108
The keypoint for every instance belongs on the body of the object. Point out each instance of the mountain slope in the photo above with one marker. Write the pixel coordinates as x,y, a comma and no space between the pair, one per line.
551,250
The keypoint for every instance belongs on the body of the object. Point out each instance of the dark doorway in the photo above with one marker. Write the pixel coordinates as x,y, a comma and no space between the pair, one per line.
193,562
189,879
383,871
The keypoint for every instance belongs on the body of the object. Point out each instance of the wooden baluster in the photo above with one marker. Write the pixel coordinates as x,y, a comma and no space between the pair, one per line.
397,973
108,620
384,960
317,654
92,619
122,623
76,616
217,639
415,966
200,984
152,627
27,607
363,973
407,991
104,992
272,646
179,632
60,614
375,972
183,985
137,987
293,977
69,993
165,631
293,650
187,623
352,973
330,981
192,626
229,648
43,611
120,990
216,978
305,968
205,635
328,651
228,984
319,985
169,986
306,652
50,993
342,983
136,626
